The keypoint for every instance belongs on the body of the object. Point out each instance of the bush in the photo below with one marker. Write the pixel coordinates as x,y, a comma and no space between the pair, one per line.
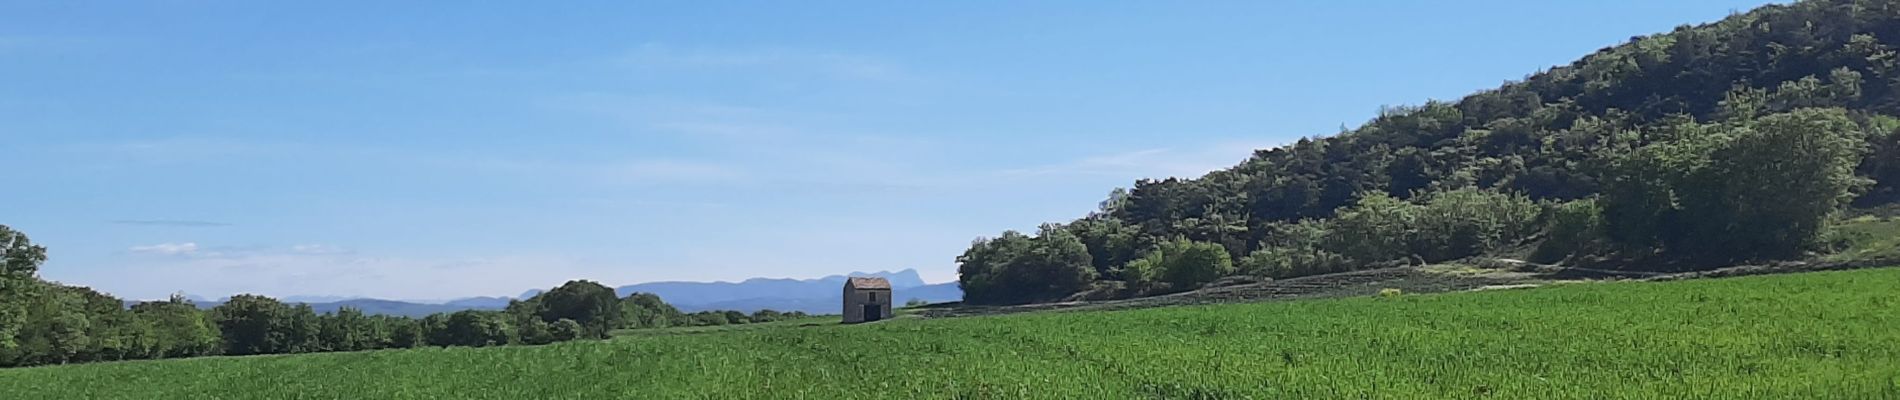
1570,229
1468,222
1289,262
564,330
1749,189
1181,264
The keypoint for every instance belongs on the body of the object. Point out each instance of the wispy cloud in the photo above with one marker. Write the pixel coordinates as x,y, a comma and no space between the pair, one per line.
168,249
316,249
170,222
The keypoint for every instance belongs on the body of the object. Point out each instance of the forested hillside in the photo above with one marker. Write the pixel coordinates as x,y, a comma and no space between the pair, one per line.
1711,144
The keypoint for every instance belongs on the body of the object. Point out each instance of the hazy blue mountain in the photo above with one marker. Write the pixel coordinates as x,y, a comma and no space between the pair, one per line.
496,302
829,303
317,299
376,306
818,296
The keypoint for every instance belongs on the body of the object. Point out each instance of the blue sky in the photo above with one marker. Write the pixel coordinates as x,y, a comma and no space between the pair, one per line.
427,150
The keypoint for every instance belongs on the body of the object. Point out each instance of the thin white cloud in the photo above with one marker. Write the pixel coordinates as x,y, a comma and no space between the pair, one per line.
317,249
168,249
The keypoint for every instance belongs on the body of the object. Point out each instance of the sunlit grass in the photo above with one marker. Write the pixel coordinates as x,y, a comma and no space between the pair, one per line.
1816,335
1868,238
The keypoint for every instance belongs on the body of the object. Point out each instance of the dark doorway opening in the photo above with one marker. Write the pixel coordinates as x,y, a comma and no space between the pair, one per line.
872,312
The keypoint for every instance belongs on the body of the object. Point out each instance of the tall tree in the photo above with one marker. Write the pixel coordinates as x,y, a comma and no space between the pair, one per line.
591,304
253,324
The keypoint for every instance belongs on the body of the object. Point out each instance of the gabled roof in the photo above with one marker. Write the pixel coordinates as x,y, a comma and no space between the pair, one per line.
867,283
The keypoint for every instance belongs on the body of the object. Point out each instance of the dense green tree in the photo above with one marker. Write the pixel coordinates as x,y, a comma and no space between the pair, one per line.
1017,268
19,257
1740,190
1776,183
475,328
348,329
1294,250
19,262
591,304
409,334
1467,222
533,331
253,324
181,329
1882,163
1570,229
565,329
1182,264
646,310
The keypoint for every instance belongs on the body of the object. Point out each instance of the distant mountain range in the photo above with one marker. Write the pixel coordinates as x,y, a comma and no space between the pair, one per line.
376,306
814,296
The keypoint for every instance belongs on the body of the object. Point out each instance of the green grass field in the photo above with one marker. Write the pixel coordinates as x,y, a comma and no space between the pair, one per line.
1815,335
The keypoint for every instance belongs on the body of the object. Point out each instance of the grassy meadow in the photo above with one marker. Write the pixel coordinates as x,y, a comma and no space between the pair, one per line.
1814,335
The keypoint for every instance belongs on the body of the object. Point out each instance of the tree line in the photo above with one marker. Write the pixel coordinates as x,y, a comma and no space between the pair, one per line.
1705,146
45,323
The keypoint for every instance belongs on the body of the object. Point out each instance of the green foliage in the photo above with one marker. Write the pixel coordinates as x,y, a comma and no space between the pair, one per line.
474,328
252,324
647,310
1570,228
1181,264
591,304
180,328
1110,242
1377,228
565,329
1294,261
1467,222
1764,337
19,262
1016,268
1619,125
19,257
349,330
1747,189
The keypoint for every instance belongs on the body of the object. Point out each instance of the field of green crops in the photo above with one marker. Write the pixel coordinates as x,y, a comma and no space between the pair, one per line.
1815,335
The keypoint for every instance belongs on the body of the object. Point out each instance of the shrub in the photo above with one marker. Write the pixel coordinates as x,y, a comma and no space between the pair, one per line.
1181,264
1570,229
1467,222
1289,262
564,330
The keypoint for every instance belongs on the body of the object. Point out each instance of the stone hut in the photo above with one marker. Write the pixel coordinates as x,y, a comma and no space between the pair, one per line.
866,299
